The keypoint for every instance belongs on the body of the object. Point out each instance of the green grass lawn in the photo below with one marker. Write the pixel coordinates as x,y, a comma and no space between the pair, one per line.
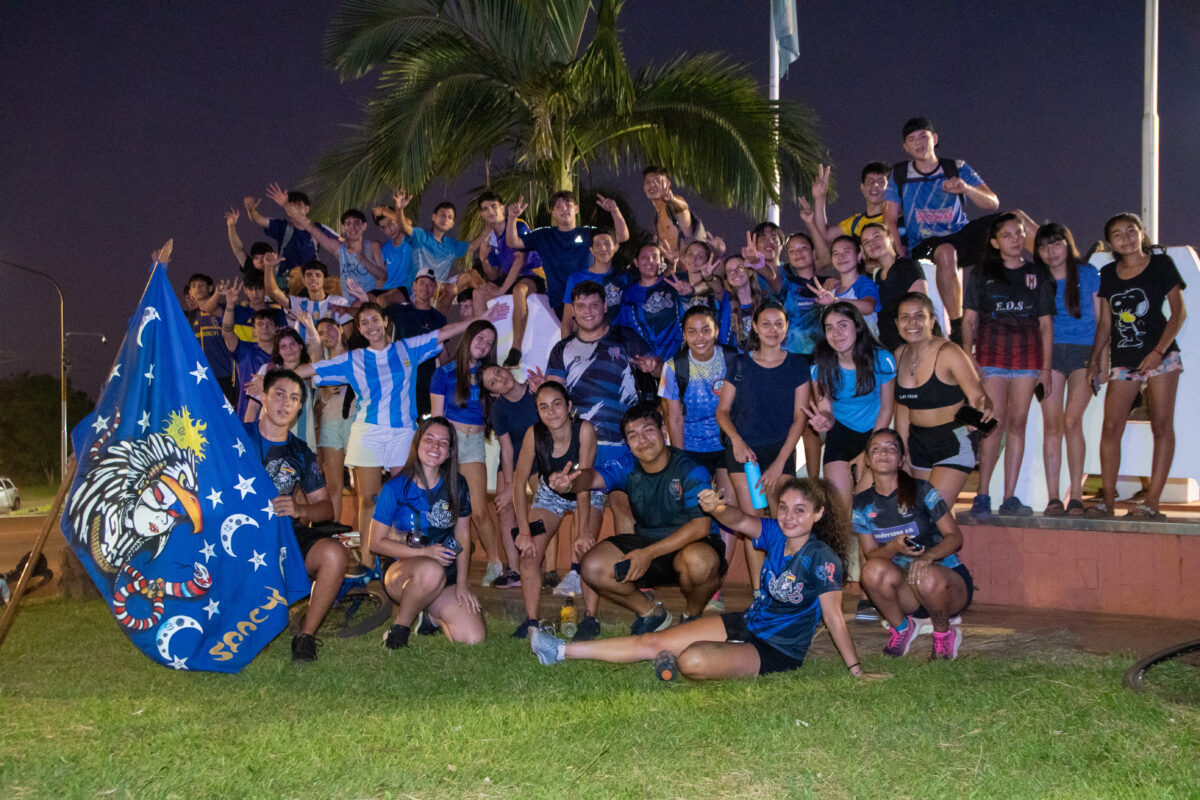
85,715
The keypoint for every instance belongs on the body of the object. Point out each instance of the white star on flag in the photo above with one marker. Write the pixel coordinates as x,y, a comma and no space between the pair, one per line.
198,373
116,372
178,663
245,486
207,551
228,407
144,422
239,447
150,373
214,497
269,510
100,424
213,607
258,560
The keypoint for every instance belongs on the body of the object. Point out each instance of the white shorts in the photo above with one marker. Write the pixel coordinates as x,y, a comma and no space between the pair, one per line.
378,445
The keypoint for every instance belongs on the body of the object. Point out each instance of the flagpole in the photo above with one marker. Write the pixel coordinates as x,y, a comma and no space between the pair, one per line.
1150,123
773,94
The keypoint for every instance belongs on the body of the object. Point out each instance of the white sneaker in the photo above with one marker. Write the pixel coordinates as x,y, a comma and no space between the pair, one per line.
493,571
569,586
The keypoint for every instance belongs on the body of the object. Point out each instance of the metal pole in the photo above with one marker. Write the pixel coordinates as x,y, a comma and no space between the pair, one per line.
62,364
773,94
1150,124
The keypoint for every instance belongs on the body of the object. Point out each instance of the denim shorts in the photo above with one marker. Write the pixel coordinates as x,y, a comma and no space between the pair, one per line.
1009,374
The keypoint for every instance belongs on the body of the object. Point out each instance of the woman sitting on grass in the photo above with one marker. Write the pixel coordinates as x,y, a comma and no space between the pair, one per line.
910,541
801,579
422,532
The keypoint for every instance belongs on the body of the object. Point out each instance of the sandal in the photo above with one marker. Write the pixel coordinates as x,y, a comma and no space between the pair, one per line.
1075,508
1054,509
1098,511
1145,512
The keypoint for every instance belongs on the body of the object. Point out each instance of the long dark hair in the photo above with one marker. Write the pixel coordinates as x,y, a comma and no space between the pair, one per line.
752,342
448,471
463,378
991,262
289,333
1127,216
866,349
831,528
1055,232
906,484
543,439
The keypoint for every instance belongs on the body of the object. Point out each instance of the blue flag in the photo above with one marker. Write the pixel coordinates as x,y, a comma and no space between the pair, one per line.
170,510
787,32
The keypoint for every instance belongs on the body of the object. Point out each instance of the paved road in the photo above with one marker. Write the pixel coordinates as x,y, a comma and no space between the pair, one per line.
17,535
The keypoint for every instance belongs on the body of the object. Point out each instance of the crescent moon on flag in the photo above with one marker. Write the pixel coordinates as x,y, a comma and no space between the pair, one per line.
229,527
148,316
168,629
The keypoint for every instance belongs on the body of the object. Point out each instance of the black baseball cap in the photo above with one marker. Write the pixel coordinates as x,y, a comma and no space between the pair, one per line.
917,124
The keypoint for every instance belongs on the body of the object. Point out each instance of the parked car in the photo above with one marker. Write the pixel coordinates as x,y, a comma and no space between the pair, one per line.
10,495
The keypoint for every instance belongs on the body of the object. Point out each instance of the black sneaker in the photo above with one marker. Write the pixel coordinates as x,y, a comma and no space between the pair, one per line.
656,620
513,359
304,648
509,579
396,637
588,629
426,626
866,611
522,631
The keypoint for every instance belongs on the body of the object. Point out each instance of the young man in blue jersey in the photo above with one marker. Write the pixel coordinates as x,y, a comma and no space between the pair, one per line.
564,247
295,247
435,249
674,542
652,304
396,253
303,498
601,271
928,192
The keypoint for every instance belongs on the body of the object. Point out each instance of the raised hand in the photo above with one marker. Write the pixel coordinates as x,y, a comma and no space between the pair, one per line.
401,199
710,267
820,184
232,215
231,289
356,291
518,208
818,418
607,203
717,244
750,252
535,378
163,254
251,204
807,214
561,481
277,194
682,287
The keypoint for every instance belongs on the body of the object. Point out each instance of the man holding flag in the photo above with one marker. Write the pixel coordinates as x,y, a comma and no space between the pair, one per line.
166,486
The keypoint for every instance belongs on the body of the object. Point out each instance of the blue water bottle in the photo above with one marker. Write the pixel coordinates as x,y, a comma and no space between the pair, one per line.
758,498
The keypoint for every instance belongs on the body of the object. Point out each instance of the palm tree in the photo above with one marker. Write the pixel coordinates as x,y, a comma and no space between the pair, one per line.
511,83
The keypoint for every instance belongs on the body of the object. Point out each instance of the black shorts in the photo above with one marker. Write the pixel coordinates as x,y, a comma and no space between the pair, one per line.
965,574
307,536
451,571
945,445
769,659
968,242
661,571
711,461
766,455
843,444
538,280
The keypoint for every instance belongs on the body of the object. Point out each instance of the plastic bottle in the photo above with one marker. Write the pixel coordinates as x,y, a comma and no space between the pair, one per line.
758,498
568,618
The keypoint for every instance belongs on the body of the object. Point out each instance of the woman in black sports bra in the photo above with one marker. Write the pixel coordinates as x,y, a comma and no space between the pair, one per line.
934,379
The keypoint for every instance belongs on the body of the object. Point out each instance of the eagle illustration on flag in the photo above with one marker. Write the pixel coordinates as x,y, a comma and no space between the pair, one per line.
170,509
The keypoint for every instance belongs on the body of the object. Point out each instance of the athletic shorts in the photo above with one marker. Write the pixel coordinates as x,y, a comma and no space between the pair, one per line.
661,571
538,281
711,461
1066,358
334,430
373,445
1172,363
946,445
968,242
844,444
307,536
547,499
965,574
769,659
471,448
1008,374
765,454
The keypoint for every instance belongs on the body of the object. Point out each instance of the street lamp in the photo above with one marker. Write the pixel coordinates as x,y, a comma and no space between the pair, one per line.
62,362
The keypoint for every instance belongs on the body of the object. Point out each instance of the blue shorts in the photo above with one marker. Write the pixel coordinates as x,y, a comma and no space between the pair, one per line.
1008,374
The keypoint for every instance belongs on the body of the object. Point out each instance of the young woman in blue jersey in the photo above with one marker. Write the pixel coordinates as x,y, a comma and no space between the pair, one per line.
802,584
910,540
454,394
383,376
422,532
1077,306
745,295
768,390
851,285
557,442
1141,339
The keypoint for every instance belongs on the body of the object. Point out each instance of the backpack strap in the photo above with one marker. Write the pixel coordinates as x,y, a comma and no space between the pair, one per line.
682,374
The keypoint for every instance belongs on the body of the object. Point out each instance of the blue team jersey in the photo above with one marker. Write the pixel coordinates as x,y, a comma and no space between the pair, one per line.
445,383
804,319
859,411
599,377
501,256
429,253
929,211
863,288
612,282
701,434
880,518
384,380
397,258
655,312
562,252
352,266
405,506
787,613
1068,329
318,309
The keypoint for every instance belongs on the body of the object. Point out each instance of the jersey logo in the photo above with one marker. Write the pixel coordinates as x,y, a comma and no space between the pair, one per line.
716,387
677,489
786,588
1031,281
826,571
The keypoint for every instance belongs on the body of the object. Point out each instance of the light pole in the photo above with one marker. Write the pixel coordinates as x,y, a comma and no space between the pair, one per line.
62,363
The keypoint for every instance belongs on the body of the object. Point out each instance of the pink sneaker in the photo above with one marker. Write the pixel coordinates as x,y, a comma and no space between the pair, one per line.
945,645
899,642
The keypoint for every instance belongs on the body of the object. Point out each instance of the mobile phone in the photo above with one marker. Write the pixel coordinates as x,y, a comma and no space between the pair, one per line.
1095,386
1039,392
912,544
452,545
536,528
621,569
969,415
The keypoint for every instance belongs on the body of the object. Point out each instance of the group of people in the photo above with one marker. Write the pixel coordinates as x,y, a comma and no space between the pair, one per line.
678,396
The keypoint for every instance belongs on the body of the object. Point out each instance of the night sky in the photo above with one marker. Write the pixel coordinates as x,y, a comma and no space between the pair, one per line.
135,122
